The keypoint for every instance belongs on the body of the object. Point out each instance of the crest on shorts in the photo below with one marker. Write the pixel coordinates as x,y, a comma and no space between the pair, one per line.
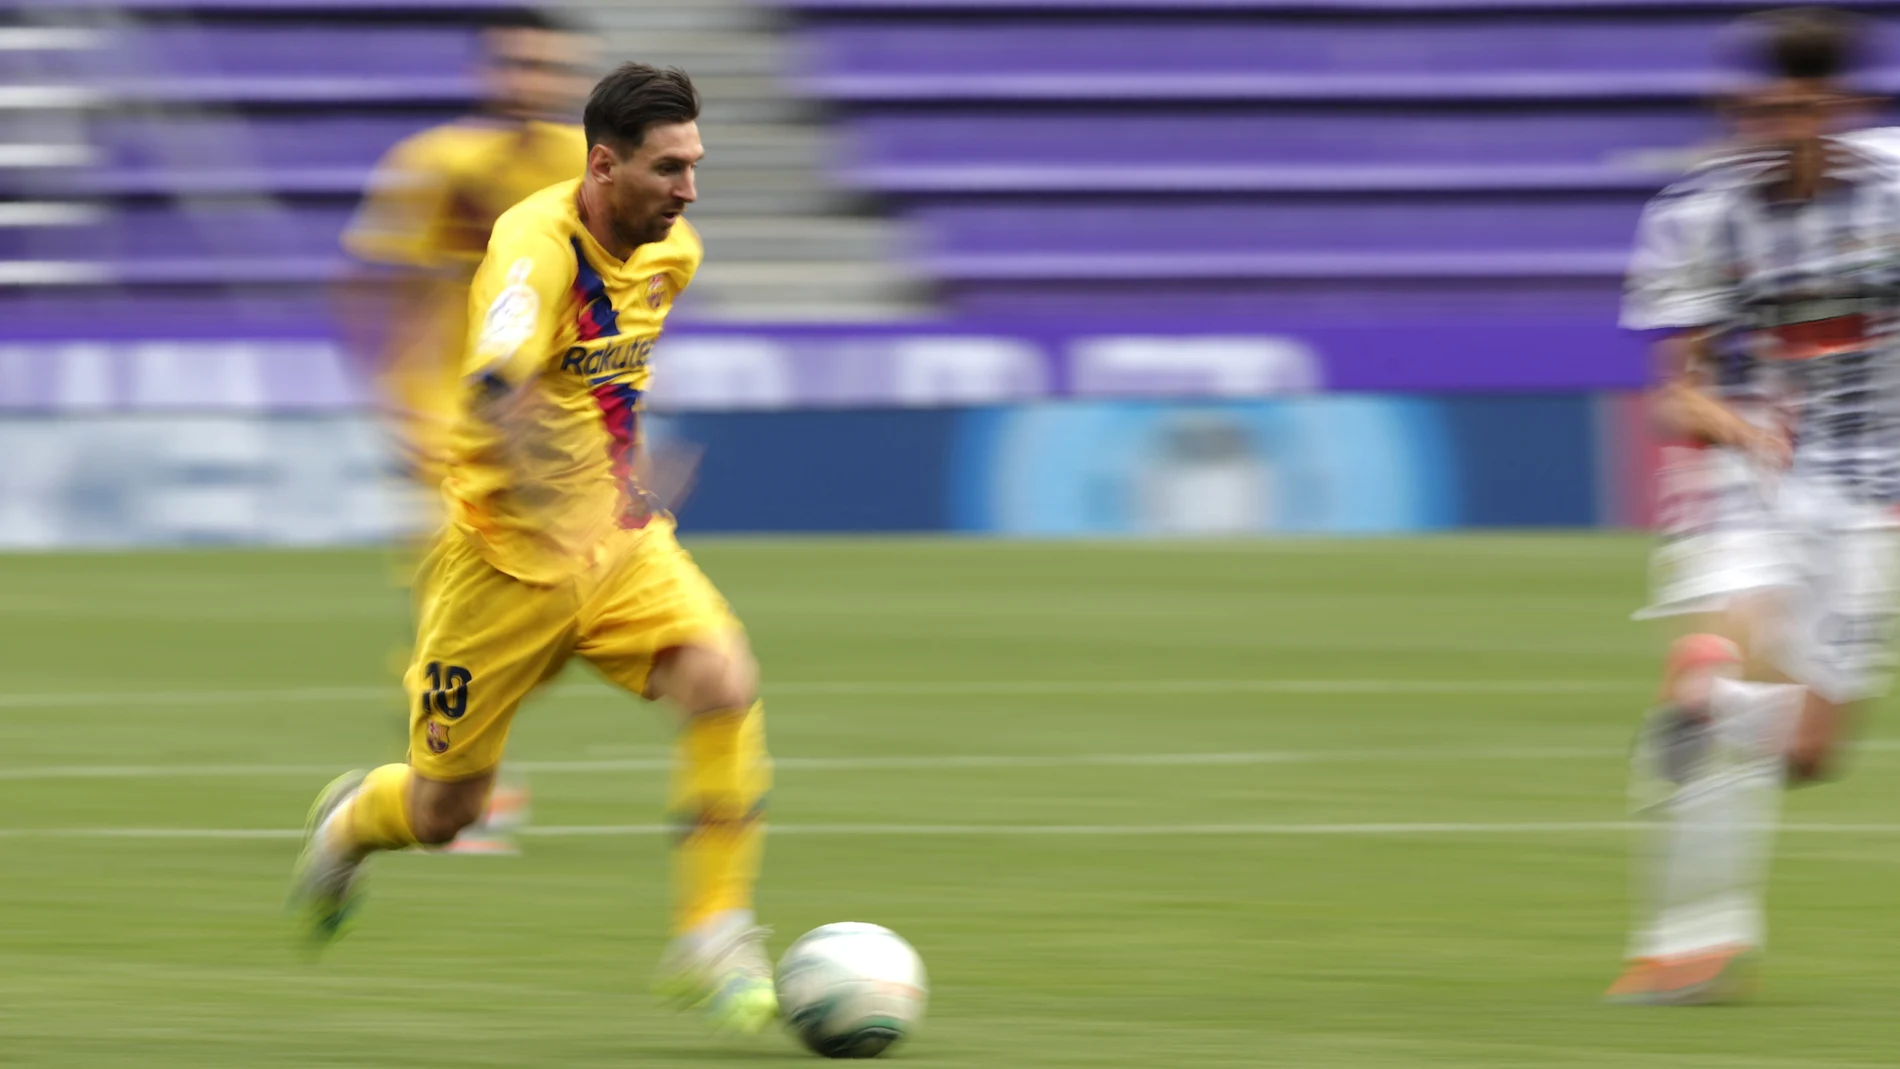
657,291
438,735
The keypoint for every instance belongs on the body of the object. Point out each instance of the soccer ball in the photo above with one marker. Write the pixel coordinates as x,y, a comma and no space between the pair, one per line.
851,990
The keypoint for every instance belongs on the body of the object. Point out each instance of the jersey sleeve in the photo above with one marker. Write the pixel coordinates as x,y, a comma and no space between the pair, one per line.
405,207
517,304
1676,276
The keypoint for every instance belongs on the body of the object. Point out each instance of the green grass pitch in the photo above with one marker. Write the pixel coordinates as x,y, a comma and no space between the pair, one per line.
1306,804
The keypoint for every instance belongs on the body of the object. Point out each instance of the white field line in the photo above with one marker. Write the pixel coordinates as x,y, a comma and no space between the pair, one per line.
1417,828
868,763
926,762
892,689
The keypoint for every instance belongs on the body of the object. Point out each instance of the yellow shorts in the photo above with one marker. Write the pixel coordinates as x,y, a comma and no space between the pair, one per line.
485,639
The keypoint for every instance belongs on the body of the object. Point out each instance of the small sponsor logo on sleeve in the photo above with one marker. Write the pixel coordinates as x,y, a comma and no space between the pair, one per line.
511,317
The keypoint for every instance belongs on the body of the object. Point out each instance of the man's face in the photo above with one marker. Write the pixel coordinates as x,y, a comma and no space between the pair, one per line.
647,191
536,74
1788,112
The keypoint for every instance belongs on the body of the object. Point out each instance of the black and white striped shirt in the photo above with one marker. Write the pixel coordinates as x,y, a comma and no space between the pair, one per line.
1805,295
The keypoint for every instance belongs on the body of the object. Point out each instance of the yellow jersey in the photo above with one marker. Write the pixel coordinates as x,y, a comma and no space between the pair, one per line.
542,459
434,198
430,207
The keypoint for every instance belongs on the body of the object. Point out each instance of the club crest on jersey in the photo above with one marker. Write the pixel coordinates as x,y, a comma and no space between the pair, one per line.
438,737
657,292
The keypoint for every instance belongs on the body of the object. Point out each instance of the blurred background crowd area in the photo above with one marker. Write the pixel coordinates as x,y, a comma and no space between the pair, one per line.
1317,265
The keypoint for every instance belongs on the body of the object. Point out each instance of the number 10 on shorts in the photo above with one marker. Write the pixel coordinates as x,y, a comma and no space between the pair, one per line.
448,690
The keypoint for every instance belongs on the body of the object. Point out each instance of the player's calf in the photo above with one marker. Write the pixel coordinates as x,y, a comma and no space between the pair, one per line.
359,814
438,810
1695,662
1709,774
721,778
1814,749
1677,733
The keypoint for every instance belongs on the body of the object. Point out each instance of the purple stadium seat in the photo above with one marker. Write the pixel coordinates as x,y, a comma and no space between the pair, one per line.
1333,136
273,7
1160,47
288,153
1265,7
1219,155
1041,151
287,51
1056,157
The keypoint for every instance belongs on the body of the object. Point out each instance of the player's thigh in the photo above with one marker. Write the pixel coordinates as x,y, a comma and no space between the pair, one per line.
1841,618
484,640
1722,574
656,607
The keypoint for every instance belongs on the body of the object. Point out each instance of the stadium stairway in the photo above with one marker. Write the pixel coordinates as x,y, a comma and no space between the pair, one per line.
786,242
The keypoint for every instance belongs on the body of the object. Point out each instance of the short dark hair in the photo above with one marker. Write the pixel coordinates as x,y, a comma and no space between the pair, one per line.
634,97
1808,42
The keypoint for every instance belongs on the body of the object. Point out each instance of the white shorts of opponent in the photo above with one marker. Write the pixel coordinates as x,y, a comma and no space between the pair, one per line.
1839,612
1720,537
1828,559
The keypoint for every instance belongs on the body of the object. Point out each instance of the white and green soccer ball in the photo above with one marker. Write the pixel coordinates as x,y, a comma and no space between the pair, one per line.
851,990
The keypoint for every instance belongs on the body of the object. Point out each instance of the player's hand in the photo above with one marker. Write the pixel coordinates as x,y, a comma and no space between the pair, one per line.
1770,447
671,469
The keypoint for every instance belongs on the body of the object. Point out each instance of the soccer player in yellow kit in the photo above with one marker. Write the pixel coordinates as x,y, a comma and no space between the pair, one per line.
556,549
426,218
419,236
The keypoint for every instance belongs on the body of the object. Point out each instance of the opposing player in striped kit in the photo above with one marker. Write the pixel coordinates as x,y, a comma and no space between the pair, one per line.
1774,275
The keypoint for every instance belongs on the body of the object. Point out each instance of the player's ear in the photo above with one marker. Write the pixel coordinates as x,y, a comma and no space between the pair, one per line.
600,163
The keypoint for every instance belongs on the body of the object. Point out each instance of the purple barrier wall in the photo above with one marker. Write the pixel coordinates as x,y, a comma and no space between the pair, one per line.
1272,6
715,369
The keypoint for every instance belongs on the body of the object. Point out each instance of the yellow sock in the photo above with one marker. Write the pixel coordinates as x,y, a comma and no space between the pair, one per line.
378,817
720,778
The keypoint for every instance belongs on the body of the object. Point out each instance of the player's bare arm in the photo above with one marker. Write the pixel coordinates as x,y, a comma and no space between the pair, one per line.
1684,407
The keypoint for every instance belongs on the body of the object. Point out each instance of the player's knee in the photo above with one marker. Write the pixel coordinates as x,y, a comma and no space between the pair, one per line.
740,681
702,680
1814,748
733,685
1812,761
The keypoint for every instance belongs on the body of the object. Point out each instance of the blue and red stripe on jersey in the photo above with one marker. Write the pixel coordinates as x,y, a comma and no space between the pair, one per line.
620,414
595,317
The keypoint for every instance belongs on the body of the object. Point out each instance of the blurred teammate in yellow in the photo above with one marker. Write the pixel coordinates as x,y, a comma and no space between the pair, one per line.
557,548
420,234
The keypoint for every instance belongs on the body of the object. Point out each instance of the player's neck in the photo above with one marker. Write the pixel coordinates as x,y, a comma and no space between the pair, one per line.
594,218
1806,170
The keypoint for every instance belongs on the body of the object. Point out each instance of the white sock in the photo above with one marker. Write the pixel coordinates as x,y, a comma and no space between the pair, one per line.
1707,857
333,839
718,931
722,926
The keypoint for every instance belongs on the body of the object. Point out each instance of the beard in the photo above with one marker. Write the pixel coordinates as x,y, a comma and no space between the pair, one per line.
634,235
641,229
